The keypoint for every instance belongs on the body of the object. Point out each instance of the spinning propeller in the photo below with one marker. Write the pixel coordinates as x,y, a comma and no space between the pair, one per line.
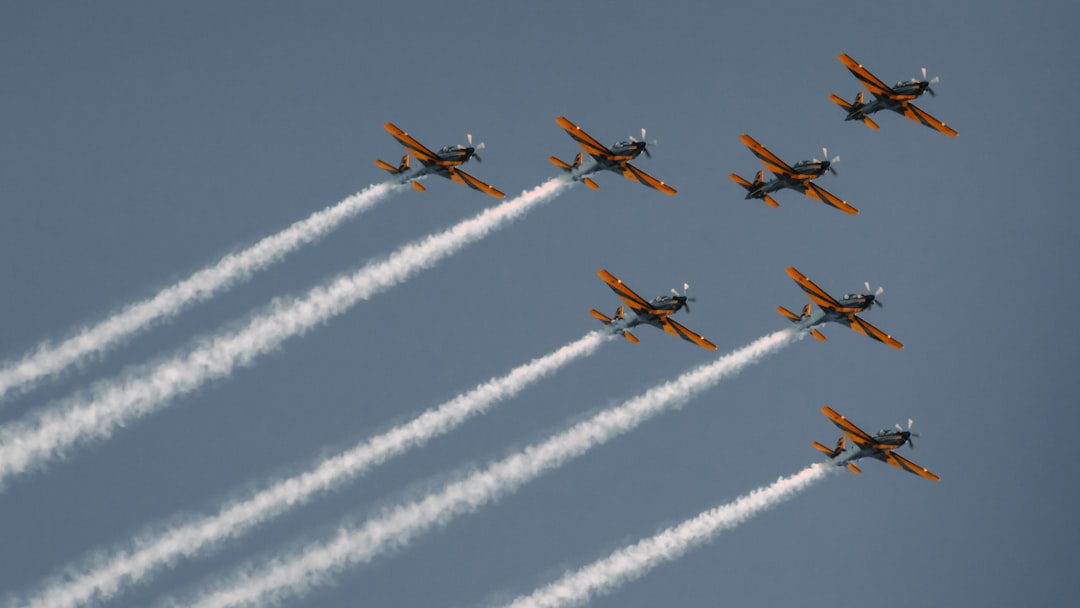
933,80
479,146
828,163
908,431
647,143
874,295
686,300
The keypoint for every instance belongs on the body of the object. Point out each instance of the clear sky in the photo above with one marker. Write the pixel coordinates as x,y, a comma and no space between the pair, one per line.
143,141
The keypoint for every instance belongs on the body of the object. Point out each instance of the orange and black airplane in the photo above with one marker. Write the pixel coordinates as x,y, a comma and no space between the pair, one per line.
897,98
842,311
616,158
799,177
881,446
443,163
656,313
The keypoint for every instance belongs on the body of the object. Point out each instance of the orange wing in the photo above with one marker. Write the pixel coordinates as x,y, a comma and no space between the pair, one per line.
899,461
633,300
770,160
815,191
586,141
856,434
465,179
412,145
868,80
920,116
817,294
868,330
631,172
673,327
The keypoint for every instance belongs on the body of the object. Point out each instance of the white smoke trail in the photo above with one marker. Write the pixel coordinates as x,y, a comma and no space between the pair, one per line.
114,403
292,575
634,561
48,359
103,577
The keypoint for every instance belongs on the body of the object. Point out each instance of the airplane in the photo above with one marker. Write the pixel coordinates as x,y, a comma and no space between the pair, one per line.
800,177
617,158
443,163
656,313
897,98
841,311
881,446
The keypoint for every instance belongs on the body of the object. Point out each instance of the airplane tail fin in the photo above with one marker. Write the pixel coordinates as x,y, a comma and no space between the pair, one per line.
404,166
854,109
606,320
750,187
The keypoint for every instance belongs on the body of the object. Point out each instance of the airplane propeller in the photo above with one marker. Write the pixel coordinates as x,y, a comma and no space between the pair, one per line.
687,300
479,146
647,143
875,294
933,80
908,430
836,159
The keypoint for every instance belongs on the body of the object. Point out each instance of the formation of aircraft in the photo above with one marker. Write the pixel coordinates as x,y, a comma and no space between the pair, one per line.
897,98
881,446
616,158
799,177
444,163
643,312
843,311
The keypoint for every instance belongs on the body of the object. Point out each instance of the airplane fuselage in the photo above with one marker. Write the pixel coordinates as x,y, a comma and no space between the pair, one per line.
850,303
623,152
805,170
884,441
903,93
662,306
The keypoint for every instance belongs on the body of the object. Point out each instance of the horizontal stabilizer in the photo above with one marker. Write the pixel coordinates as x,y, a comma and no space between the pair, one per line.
558,163
841,102
854,469
770,202
631,337
822,448
588,182
387,166
866,121
817,334
600,315
787,313
741,181
418,187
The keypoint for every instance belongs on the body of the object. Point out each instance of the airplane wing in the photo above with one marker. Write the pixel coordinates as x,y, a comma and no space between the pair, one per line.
870,331
817,294
586,141
465,179
673,327
896,460
856,434
868,80
633,300
815,191
631,172
416,148
770,160
919,115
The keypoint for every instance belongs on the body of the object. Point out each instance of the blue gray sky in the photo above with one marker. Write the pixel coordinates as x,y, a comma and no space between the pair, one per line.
144,141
